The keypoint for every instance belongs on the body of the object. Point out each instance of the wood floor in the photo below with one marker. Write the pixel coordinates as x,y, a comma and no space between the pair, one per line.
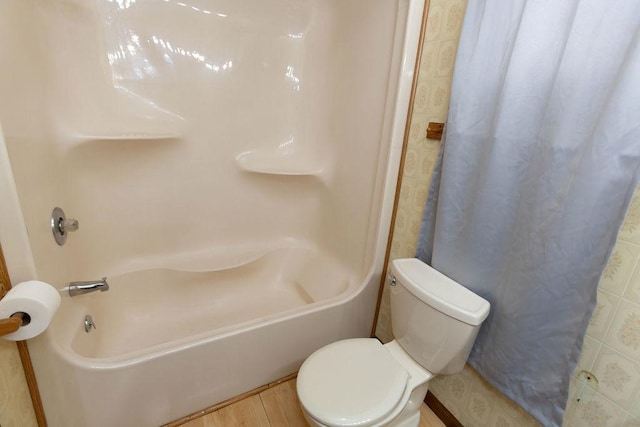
275,407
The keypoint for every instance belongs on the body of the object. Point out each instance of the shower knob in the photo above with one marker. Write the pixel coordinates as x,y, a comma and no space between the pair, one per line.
68,225
60,225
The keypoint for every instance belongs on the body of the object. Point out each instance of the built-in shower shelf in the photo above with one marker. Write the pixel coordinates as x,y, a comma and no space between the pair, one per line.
126,136
274,163
113,124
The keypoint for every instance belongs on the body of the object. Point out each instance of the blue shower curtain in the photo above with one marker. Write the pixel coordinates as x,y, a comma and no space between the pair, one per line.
538,166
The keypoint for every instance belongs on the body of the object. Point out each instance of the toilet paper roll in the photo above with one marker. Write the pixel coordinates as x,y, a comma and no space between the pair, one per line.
38,299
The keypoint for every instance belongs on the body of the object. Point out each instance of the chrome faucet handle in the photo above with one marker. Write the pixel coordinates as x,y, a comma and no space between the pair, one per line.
70,224
61,226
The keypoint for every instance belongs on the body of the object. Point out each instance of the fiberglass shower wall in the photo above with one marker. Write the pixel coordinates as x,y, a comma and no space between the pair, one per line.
210,130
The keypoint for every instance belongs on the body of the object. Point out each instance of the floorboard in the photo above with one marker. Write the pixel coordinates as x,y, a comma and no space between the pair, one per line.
276,406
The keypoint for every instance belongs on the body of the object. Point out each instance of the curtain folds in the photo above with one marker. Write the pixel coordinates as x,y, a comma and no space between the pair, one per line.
538,166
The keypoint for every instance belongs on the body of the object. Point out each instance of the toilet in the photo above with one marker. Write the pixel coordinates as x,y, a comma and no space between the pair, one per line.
361,382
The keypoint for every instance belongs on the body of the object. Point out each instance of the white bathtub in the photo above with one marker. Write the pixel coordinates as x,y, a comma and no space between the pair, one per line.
232,165
170,342
150,311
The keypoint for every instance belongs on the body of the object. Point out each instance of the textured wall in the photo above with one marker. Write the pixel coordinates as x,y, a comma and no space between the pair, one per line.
612,346
15,403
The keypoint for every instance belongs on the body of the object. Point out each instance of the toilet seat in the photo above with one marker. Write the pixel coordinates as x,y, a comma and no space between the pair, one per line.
354,382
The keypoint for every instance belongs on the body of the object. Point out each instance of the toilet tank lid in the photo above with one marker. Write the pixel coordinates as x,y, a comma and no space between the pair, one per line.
439,291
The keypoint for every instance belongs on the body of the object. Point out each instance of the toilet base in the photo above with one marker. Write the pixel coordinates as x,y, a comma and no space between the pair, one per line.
410,415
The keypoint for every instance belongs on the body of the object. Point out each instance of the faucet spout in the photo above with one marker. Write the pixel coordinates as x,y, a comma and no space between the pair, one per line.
81,288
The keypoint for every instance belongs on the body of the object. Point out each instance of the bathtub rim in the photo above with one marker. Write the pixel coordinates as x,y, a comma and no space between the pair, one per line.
64,332
64,350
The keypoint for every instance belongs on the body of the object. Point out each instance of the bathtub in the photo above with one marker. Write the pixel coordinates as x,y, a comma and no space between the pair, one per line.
158,309
169,342
234,183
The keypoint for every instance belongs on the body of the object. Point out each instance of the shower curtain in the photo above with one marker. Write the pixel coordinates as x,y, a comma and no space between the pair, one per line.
538,166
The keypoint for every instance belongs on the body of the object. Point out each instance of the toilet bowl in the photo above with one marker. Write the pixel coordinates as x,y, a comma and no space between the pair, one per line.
361,382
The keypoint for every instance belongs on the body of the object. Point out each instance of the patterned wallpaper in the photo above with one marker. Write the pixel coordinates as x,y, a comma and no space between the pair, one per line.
611,350
15,403
605,389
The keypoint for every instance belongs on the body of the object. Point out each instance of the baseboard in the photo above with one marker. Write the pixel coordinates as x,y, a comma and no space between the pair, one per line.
441,411
228,402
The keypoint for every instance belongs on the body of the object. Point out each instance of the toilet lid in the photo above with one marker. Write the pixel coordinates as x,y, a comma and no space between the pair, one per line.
353,382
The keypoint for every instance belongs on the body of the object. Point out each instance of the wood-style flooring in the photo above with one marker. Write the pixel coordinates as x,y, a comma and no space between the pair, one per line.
276,407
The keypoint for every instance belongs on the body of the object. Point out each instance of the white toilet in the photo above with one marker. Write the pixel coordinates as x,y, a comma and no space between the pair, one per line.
360,382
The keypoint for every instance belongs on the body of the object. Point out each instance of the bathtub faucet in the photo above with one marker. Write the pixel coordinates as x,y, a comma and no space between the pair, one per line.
81,288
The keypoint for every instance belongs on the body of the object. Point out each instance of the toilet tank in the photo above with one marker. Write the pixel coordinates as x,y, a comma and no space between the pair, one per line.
435,319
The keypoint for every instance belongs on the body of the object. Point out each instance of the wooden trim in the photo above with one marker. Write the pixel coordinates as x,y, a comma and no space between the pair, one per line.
29,373
441,411
228,402
405,143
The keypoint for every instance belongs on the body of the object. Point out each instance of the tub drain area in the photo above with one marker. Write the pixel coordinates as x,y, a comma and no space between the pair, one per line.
89,323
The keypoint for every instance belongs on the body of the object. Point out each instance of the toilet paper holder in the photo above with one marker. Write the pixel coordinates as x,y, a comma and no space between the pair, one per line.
26,309
13,323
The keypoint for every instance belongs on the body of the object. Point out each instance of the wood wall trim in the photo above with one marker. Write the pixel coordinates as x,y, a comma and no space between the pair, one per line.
228,402
405,143
29,373
441,411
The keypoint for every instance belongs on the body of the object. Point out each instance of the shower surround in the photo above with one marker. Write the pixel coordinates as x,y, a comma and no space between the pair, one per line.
232,166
